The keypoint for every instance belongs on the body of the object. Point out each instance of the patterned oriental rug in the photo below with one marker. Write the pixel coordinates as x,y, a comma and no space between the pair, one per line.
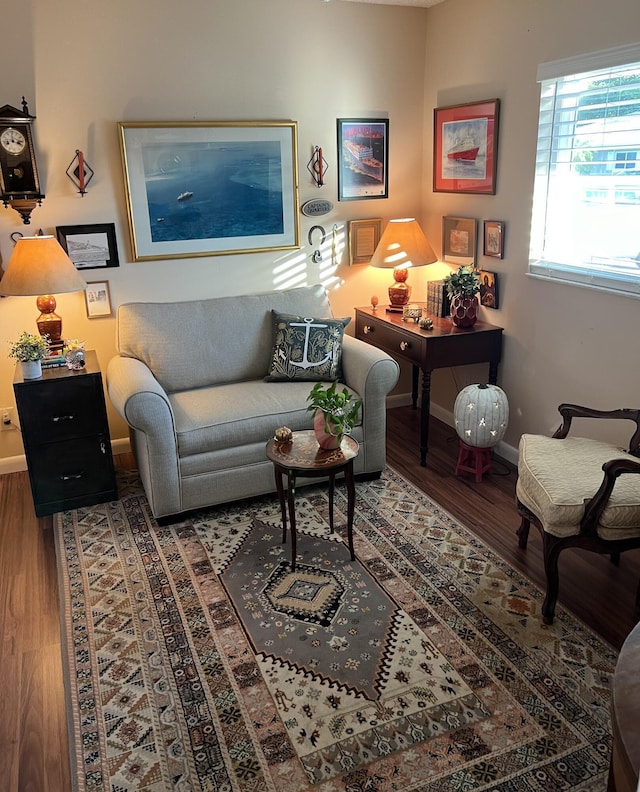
196,660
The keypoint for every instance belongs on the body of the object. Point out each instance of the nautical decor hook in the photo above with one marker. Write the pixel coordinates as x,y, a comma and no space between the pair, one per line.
317,255
317,166
80,172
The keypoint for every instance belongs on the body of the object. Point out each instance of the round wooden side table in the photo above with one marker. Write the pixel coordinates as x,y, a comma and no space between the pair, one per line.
303,457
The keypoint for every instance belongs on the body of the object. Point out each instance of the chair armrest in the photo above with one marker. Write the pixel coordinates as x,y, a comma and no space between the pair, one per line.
138,396
594,507
570,411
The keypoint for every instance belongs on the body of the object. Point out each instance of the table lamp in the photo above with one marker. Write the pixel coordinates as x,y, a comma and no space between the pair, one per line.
39,267
402,245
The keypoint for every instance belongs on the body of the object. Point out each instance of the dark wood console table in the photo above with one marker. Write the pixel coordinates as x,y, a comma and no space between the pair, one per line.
442,347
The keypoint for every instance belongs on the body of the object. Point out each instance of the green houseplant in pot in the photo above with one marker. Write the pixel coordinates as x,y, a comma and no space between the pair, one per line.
335,413
462,287
30,350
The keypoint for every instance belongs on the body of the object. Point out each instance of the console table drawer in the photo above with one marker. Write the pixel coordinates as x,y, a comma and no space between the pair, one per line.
390,339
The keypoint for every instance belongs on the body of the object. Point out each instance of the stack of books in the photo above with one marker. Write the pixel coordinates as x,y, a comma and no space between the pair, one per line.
437,299
54,360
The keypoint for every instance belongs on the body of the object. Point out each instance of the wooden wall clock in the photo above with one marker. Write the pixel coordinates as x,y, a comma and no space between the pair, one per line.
19,182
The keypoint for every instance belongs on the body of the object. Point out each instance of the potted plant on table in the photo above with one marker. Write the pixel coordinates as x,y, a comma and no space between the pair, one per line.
462,287
30,350
335,413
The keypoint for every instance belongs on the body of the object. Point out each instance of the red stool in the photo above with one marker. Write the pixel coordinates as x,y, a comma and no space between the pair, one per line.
473,460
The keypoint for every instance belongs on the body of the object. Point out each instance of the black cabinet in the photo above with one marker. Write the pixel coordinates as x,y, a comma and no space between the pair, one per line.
66,437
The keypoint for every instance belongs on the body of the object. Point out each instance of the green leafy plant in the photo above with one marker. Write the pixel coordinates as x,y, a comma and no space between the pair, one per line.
339,409
464,282
29,347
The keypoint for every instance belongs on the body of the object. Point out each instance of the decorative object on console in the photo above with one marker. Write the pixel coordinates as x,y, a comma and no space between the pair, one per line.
411,312
39,266
73,351
80,172
317,166
19,182
403,245
305,348
30,350
363,157
334,414
481,415
465,147
283,434
426,323
493,238
462,286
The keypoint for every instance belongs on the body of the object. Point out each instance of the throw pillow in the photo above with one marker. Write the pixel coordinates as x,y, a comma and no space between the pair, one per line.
306,348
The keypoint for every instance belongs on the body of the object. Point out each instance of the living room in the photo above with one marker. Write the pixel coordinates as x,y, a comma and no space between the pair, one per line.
84,67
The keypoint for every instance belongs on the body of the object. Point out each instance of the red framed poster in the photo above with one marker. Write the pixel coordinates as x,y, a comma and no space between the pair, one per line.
465,147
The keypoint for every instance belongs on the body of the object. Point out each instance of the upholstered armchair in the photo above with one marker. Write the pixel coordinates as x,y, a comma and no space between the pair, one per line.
579,492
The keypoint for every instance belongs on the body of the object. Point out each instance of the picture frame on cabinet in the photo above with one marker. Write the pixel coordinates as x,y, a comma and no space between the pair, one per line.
210,188
459,240
363,158
364,236
465,147
97,299
91,246
493,239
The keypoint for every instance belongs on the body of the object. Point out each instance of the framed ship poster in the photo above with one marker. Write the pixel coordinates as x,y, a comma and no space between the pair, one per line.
465,147
363,158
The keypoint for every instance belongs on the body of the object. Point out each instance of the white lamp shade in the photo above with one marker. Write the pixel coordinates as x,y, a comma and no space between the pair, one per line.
403,244
39,265
481,414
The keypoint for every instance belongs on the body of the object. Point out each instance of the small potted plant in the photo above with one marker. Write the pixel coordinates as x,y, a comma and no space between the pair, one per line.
30,350
335,413
462,287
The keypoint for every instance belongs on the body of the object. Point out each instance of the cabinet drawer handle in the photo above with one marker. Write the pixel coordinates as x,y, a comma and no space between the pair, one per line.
367,329
404,345
58,418
72,476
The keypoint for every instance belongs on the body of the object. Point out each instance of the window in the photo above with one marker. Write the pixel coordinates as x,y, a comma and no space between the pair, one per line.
586,204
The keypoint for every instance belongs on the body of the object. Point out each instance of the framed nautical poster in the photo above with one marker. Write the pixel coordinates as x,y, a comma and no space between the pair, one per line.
363,158
465,147
210,188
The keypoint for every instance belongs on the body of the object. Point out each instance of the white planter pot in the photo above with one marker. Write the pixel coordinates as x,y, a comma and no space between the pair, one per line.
31,369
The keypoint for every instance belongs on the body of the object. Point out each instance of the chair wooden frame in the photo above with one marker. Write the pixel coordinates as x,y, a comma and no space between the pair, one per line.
587,538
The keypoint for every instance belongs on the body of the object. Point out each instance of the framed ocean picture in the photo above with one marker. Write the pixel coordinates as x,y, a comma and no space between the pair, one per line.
210,188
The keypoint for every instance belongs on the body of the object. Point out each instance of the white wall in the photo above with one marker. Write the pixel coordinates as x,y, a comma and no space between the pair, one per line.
90,64
562,344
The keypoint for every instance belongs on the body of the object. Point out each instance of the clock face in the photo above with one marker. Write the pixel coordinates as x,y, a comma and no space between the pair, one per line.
13,141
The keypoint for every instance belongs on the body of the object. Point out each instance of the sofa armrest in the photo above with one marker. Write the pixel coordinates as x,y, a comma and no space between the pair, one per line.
140,399
372,374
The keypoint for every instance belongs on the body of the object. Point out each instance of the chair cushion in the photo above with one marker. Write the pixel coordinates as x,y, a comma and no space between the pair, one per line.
555,477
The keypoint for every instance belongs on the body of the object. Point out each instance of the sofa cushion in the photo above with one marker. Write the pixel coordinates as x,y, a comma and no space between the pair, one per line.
306,348
235,414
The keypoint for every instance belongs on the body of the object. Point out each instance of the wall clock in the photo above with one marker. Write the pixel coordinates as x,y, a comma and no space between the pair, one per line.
19,182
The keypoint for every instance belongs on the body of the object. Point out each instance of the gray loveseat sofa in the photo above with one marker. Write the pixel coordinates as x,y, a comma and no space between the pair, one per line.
189,380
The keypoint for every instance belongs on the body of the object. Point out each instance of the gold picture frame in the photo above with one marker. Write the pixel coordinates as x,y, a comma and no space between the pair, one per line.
210,188
364,236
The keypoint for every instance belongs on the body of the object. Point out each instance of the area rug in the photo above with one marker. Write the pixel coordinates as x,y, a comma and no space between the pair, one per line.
197,660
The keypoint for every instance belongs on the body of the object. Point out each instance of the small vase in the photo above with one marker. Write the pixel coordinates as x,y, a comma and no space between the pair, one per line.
75,359
326,441
31,369
464,310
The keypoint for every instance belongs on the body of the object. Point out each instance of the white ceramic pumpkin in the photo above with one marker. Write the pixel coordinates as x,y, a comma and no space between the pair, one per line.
481,414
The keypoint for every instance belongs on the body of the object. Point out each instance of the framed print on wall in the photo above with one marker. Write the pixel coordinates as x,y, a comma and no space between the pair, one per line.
90,246
97,299
494,238
459,240
465,147
363,158
364,236
210,188
488,289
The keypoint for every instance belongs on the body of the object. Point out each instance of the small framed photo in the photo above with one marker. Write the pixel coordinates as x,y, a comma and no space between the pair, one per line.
363,158
488,289
465,147
494,238
364,236
90,246
98,299
459,240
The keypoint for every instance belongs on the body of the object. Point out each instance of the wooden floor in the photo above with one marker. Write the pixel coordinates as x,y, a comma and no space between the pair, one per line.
33,731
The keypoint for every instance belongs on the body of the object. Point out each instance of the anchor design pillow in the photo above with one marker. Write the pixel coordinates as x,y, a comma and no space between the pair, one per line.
306,349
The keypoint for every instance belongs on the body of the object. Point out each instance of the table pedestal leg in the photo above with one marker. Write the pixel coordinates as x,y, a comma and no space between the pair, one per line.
291,496
332,479
283,507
